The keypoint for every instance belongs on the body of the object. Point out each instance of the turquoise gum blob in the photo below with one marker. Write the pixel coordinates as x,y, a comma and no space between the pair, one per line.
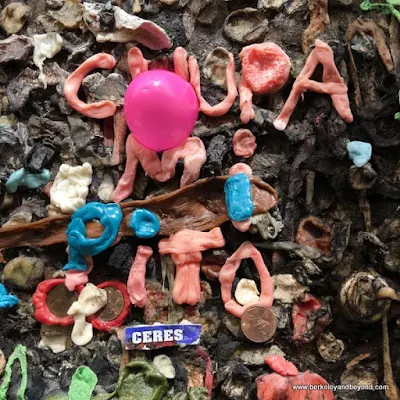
359,152
109,215
238,199
161,109
22,177
144,223
7,300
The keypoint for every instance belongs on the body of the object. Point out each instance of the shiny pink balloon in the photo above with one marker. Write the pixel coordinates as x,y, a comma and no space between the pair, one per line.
161,109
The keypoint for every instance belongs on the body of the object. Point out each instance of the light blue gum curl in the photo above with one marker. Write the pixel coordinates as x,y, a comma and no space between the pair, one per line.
7,300
109,215
144,223
238,199
359,152
22,177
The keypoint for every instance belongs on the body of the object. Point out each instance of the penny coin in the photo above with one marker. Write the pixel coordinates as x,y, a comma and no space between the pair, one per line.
258,323
114,306
59,300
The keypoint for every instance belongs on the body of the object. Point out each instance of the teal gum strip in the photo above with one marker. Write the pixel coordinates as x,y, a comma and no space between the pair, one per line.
238,197
7,300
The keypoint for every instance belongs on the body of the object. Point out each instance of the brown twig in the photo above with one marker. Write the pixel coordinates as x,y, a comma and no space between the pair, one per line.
370,28
319,19
199,206
392,393
365,208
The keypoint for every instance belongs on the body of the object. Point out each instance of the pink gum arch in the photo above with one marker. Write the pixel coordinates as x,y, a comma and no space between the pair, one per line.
227,276
101,109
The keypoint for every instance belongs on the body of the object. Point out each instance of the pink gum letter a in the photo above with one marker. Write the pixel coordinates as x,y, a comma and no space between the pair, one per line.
185,247
227,276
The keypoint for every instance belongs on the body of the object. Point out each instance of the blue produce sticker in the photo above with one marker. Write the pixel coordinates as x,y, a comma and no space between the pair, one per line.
149,337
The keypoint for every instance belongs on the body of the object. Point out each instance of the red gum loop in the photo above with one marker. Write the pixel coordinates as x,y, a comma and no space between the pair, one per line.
208,376
101,325
42,311
101,109
227,276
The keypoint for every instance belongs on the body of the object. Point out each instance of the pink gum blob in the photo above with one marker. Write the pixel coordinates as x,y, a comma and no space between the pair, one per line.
161,109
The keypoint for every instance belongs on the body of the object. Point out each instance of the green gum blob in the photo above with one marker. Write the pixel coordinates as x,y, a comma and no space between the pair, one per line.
385,8
140,380
82,384
19,354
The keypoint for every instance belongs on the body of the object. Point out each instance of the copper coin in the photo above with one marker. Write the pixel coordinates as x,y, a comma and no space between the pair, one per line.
258,323
59,300
114,306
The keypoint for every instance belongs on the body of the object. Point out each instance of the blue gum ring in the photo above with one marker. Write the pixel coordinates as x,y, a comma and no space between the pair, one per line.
144,223
109,215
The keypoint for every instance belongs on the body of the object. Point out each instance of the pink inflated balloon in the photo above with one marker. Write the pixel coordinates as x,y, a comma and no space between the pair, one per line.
161,109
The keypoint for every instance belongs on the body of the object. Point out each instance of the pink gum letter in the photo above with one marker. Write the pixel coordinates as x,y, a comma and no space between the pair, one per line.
185,247
192,151
332,84
227,276
101,109
224,106
137,277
